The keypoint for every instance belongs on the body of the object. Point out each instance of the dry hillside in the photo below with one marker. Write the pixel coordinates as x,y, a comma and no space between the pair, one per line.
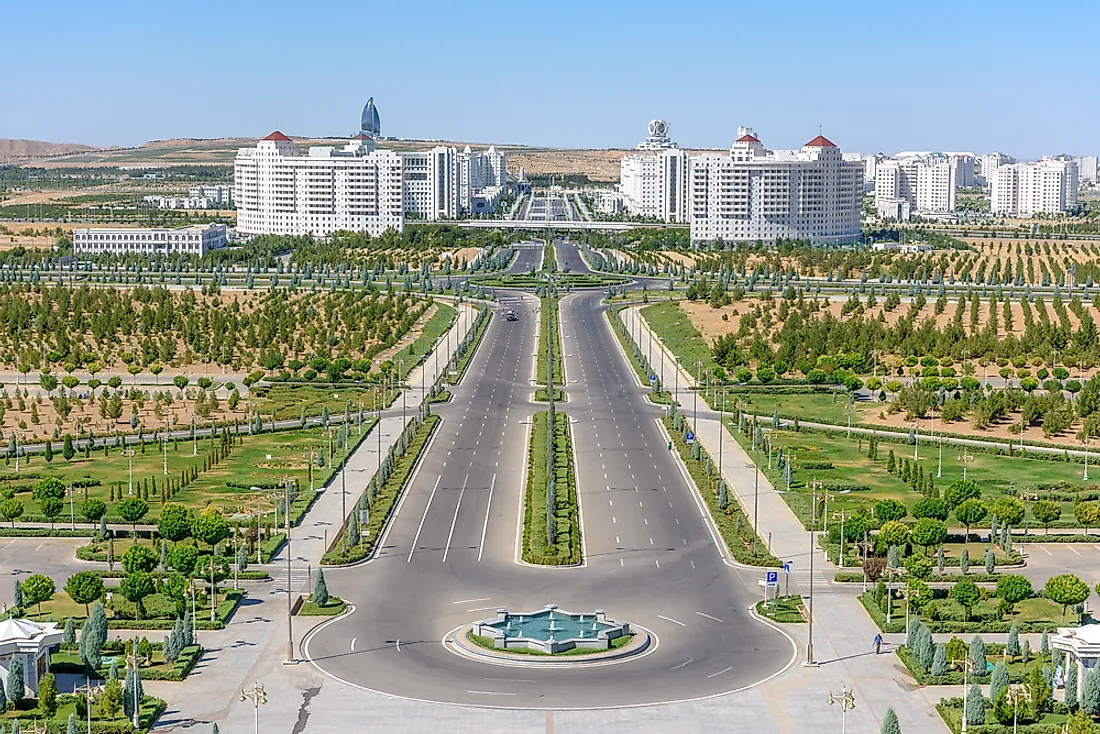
18,151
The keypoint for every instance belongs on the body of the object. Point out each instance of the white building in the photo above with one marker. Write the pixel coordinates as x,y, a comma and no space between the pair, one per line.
1082,648
654,183
926,185
219,195
1086,169
991,162
964,164
31,644
1025,189
194,239
751,195
360,188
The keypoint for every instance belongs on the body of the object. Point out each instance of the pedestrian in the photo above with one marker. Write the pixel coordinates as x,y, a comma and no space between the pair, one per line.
878,644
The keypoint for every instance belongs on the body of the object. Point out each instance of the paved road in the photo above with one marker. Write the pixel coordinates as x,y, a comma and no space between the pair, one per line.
449,557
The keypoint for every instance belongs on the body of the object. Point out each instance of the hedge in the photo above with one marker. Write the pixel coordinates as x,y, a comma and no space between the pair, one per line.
848,577
566,550
898,624
950,710
17,532
955,677
386,498
189,656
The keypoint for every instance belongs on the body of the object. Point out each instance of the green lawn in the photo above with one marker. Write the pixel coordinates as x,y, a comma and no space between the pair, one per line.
565,550
852,470
674,328
783,610
287,401
334,607
436,327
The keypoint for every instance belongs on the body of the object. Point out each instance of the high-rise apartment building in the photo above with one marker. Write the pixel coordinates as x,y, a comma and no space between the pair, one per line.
991,162
654,181
1026,189
925,185
749,194
1086,169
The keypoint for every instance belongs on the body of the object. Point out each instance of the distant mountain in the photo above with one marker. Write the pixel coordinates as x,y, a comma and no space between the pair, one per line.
19,151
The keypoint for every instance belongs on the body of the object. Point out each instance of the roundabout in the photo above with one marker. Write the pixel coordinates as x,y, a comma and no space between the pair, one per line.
446,561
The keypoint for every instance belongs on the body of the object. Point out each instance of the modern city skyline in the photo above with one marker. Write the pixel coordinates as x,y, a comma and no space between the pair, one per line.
153,81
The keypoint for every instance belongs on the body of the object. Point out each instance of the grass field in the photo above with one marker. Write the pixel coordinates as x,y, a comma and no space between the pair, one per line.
566,548
675,329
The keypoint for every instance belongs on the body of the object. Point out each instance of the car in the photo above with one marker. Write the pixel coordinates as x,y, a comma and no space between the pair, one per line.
510,316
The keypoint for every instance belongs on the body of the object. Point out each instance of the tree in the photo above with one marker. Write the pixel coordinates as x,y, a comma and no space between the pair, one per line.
1066,589
110,700
68,638
1080,723
932,507
1090,693
925,650
3,698
84,587
135,587
939,660
71,726
1046,512
139,559
1014,588
918,567
52,509
92,636
976,653
132,689
894,532
175,522
990,561
999,680
1071,686
1038,691
320,589
210,527
1012,647
889,509
16,683
37,589
11,509
966,594
67,449
132,509
971,512
1009,510
183,558
49,487
890,723
47,695
975,706
1088,514
928,531
47,451
964,560
92,510
960,492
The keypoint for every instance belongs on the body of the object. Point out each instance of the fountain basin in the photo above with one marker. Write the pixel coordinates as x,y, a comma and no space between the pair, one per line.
551,630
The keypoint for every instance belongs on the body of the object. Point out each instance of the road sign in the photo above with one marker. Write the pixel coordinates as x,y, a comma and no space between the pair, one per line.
787,567
772,578
653,378
690,437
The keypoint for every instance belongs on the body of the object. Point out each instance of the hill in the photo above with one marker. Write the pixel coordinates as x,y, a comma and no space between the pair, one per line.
20,151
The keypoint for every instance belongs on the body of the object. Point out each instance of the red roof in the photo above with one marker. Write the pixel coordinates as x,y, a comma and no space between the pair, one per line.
747,139
278,136
820,142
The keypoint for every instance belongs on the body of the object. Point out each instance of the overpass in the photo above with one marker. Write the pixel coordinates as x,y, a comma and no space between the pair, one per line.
543,224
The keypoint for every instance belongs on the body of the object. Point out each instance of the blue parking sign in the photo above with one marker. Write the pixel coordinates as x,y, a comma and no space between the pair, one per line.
772,578
690,437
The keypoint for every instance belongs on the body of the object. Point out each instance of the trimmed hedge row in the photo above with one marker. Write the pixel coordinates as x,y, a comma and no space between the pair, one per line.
896,625
568,538
955,677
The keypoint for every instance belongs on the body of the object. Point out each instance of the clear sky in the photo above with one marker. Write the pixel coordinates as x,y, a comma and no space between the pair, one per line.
882,75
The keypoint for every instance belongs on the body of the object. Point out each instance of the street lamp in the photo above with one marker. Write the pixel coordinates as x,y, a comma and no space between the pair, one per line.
258,696
134,660
89,691
129,455
847,701
967,665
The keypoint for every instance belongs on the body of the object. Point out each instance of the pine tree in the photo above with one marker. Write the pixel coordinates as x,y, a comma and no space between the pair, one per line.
911,633
1089,700
68,639
964,560
990,562
16,684
939,559
890,723
1044,645
939,660
999,680
71,727
1071,687
976,653
1012,646
320,590
891,462
975,706
1025,651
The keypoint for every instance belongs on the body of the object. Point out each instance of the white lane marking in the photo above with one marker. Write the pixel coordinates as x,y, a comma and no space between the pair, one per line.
482,609
422,519
399,645
704,614
470,601
486,526
353,639
670,619
657,562
720,672
454,521
677,667
491,693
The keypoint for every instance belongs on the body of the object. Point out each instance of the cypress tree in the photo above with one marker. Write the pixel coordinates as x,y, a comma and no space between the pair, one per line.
890,723
975,706
991,563
1044,645
977,653
939,660
16,682
1012,647
353,531
71,727
939,559
1071,687
3,697
925,650
964,560
320,590
998,681
68,639
1089,700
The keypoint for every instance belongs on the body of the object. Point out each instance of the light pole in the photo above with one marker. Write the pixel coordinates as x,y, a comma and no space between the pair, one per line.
967,665
813,525
165,445
90,691
1086,477
258,696
847,701
130,456
134,659
290,659
72,507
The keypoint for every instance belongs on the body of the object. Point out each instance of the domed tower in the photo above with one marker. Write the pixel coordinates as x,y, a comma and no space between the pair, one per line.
371,125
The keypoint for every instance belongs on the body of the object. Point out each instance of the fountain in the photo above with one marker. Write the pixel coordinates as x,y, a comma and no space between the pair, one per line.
551,630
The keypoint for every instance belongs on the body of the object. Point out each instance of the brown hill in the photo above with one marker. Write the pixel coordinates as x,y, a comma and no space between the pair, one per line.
16,151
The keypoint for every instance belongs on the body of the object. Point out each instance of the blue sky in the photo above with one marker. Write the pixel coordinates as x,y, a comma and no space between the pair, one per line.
874,76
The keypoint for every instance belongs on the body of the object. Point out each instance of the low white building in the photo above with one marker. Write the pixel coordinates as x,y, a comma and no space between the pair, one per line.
31,644
1082,648
1025,189
194,239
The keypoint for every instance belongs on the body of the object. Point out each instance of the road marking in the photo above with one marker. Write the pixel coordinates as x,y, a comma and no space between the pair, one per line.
621,562
471,601
657,562
670,619
645,521
613,521
486,526
704,614
693,564
1073,549
353,644
399,644
720,672
677,667
482,609
454,522
422,519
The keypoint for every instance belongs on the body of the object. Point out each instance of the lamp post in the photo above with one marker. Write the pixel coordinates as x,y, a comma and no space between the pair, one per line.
130,456
847,701
89,691
967,665
1086,477
134,660
258,696
813,526
290,659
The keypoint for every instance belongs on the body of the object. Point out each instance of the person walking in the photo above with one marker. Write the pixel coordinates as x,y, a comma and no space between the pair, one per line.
878,644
